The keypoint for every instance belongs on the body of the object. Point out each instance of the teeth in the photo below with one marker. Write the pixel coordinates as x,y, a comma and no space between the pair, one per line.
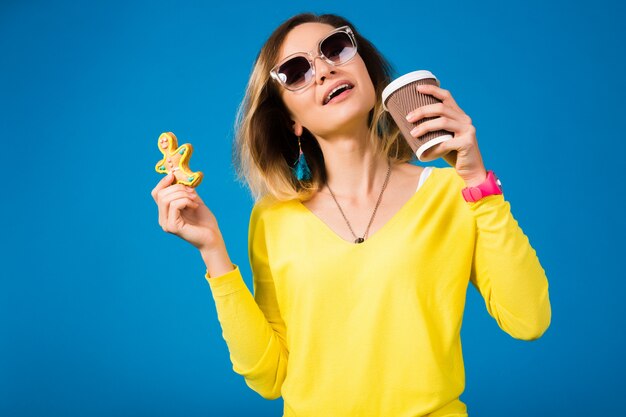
339,87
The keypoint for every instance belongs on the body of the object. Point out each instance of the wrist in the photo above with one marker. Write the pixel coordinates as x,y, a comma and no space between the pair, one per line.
476,180
213,252
211,242
217,261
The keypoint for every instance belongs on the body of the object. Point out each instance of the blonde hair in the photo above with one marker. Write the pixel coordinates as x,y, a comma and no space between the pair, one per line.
265,146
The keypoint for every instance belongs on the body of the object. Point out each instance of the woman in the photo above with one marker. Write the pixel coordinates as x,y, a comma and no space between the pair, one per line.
360,260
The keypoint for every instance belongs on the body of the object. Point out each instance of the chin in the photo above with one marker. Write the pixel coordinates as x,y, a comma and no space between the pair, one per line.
353,113
344,122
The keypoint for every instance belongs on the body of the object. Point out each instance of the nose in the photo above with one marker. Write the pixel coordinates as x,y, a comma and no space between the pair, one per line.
322,69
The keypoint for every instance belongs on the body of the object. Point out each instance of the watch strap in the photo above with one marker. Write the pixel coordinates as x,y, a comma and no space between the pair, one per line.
491,186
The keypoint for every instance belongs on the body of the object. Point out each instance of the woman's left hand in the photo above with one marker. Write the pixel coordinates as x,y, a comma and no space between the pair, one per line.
462,150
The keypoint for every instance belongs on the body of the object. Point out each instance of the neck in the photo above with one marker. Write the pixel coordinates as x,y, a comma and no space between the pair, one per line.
354,172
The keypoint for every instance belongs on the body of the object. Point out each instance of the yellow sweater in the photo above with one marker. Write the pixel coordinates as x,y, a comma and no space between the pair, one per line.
373,329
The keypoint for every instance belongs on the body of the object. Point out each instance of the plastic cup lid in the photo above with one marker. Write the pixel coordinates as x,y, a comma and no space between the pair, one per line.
404,80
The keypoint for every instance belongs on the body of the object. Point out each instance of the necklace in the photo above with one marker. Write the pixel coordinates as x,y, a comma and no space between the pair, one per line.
362,239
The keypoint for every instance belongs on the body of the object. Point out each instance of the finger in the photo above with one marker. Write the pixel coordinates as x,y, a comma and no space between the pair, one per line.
166,200
438,92
192,192
447,150
165,196
175,221
437,109
161,185
163,193
440,123
176,195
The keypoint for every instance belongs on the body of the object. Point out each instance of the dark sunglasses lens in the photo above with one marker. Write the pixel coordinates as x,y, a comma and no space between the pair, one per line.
338,47
295,72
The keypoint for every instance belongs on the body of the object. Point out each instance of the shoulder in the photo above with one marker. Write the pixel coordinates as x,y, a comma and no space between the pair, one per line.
450,175
268,207
446,177
409,170
450,186
446,183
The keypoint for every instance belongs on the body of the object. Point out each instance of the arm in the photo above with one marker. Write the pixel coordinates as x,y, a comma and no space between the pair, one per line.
507,272
252,325
505,267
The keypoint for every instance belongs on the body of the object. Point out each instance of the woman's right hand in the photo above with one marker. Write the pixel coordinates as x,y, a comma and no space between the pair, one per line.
183,213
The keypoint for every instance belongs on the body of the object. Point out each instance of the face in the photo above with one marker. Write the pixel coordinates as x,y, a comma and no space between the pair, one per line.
309,107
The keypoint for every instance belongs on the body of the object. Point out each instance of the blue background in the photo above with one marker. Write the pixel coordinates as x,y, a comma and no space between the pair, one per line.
102,313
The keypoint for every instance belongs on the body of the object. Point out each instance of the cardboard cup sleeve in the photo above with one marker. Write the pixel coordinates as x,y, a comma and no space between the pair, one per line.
401,97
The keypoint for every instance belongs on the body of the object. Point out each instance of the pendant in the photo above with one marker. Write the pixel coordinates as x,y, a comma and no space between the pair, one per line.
359,240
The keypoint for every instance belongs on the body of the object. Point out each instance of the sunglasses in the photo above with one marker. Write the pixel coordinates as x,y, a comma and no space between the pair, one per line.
298,70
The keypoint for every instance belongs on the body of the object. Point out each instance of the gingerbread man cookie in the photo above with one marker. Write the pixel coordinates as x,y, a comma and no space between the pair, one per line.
176,160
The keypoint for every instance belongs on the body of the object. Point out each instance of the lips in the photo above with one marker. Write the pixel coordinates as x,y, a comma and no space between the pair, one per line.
336,89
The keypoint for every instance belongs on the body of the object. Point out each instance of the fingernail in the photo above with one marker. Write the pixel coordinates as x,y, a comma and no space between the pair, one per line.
409,116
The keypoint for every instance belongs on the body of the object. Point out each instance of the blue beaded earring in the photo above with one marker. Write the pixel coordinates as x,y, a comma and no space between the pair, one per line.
301,170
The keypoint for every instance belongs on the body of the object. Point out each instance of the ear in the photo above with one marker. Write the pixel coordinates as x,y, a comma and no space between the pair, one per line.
297,128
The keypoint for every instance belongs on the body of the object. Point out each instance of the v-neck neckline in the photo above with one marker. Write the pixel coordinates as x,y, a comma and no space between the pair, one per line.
383,229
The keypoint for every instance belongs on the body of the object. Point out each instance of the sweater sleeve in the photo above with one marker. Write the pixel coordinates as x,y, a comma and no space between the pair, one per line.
507,272
252,326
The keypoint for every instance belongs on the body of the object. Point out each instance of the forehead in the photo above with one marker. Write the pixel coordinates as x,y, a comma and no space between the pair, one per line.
303,38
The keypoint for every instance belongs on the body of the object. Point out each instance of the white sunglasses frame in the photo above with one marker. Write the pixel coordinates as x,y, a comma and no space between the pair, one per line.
311,58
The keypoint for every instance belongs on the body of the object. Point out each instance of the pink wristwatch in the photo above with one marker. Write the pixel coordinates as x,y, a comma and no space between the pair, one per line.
490,186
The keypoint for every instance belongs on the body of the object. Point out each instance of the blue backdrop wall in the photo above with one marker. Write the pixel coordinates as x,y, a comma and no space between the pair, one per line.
102,313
